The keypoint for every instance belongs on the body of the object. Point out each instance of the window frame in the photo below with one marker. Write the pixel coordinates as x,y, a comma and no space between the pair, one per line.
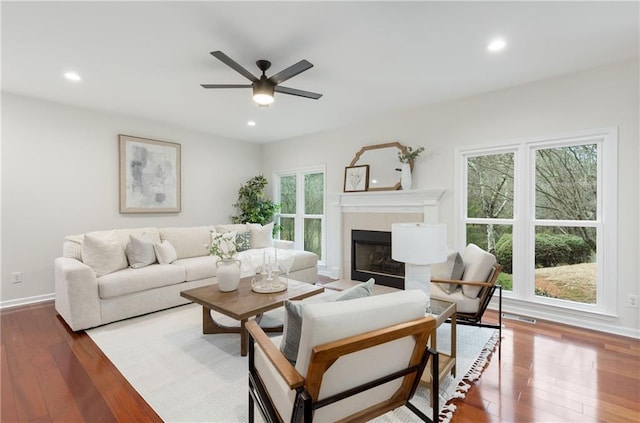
524,219
299,216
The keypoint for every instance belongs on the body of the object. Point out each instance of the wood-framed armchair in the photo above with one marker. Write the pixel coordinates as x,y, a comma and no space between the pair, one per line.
474,290
357,360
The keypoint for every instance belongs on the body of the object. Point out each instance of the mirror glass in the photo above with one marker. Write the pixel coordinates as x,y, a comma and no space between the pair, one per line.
383,162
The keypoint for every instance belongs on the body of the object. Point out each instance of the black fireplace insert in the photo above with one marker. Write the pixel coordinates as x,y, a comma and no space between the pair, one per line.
371,258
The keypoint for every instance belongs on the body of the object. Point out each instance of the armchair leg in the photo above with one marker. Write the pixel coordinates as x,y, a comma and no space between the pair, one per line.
251,416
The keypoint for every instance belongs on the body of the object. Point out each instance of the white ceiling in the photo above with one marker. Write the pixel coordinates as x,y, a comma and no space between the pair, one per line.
147,59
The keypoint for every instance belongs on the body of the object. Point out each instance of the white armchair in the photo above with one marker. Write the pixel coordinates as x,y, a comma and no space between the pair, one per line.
357,359
473,291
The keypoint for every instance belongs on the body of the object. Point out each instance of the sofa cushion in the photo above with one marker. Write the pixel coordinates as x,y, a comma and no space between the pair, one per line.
232,227
464,304
128,281
72,246
197,268
165,252
189,241
103,253
140,252
150,233
261,236
477,267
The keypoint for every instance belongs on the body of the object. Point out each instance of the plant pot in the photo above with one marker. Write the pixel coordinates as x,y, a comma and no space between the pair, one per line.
228,274
405,179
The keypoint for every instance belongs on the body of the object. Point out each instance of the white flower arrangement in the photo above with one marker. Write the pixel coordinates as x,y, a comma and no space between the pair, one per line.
223,245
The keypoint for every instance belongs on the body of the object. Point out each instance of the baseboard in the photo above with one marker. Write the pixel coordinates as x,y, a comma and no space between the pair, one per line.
582,320
27,300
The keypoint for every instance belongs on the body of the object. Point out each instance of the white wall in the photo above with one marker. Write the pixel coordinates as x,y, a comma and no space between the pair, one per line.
602,97
60,177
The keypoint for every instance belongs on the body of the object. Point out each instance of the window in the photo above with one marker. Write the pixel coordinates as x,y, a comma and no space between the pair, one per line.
540,207
301,194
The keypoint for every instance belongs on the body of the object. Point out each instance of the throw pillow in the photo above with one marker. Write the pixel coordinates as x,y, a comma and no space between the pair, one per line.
165,252
243,241
364,289
103,254
292,330
293,318
140,252
451,269
261,236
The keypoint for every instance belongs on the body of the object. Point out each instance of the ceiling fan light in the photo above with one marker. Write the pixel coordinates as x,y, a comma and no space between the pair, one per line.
263,99
263,92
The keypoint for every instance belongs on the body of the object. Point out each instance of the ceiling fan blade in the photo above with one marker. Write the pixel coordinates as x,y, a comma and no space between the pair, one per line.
300,93
290,72
226,85
232,64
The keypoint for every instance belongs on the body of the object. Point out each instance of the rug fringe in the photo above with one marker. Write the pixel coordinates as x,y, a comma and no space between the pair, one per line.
474,373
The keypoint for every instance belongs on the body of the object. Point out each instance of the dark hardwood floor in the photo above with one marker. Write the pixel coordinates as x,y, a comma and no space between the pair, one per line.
548,373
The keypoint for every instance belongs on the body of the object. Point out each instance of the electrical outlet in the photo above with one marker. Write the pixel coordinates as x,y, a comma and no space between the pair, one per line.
632,301
16,277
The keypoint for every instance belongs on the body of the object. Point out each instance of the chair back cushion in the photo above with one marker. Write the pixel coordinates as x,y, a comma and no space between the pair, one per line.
327,322
477,267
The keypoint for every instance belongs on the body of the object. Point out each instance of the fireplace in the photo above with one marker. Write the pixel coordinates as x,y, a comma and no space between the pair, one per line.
371,258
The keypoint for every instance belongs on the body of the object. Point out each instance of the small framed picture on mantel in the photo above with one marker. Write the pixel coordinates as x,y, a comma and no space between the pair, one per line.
356,178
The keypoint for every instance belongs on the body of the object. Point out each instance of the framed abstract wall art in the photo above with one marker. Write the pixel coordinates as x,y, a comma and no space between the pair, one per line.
149,175
356,178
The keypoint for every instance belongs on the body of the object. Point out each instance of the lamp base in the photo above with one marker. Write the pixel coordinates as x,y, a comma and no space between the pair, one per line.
418,277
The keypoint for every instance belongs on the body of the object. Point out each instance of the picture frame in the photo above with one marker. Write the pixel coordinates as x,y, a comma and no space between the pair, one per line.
150,175
356,178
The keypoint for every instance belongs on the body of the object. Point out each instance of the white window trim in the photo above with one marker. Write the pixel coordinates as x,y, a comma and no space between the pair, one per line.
524,224
299,223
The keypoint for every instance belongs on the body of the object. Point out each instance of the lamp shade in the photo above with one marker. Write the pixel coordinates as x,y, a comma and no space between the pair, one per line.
419,243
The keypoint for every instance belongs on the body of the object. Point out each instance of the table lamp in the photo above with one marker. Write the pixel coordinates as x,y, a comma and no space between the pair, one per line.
418,245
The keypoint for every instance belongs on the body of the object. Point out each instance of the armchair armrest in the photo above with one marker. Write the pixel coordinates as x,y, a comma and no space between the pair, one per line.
289,374
457,282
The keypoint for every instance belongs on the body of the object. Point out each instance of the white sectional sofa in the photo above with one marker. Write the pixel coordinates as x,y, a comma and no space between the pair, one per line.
87,296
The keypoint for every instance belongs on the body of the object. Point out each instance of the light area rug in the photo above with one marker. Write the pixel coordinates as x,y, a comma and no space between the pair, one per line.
186,376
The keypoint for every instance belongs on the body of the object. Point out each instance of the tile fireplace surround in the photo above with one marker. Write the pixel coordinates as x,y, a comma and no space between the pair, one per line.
376,211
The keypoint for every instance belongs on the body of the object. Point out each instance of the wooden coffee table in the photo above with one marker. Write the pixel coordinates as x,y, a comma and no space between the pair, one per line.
242,304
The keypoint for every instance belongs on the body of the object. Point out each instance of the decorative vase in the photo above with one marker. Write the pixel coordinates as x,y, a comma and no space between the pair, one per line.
405,179
228,274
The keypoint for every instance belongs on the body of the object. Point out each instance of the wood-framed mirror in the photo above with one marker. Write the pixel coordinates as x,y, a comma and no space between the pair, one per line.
384,166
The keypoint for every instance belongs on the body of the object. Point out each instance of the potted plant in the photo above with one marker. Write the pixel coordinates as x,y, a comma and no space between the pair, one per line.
252,205
223,245
406,157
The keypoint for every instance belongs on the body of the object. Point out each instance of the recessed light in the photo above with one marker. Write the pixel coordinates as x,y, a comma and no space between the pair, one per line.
496,45
72,76
251,123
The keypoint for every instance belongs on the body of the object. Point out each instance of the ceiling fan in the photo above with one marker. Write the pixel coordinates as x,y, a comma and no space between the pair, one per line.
263,87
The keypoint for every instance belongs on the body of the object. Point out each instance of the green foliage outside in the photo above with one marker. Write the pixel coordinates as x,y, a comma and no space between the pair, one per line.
252,206
313,186
551,250
506,280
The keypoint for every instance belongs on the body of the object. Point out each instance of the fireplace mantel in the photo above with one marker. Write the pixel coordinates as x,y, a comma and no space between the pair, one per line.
374,210
424,201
